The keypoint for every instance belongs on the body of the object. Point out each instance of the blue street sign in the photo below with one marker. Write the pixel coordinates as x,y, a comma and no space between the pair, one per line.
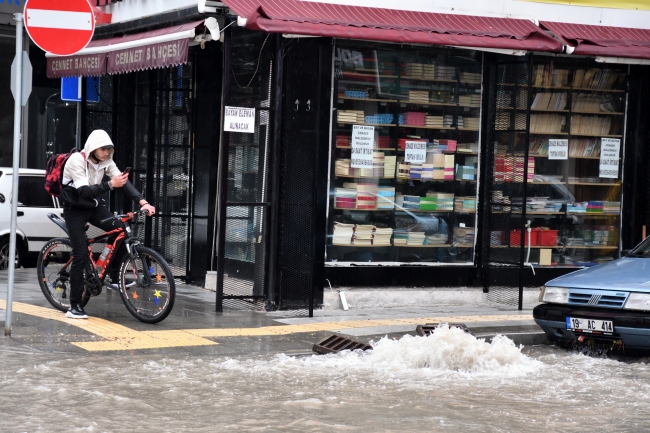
71,89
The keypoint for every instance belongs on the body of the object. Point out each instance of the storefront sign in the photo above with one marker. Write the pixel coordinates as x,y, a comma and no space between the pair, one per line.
76,66
415,152
159,55
558,149
609,154
363,138
239,119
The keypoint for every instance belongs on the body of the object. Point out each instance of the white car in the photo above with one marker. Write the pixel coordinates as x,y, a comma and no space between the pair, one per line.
34,228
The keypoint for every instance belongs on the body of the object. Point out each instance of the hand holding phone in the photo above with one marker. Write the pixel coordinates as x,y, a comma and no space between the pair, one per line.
127,170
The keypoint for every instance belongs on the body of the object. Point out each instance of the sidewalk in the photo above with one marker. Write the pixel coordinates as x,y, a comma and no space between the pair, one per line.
194,327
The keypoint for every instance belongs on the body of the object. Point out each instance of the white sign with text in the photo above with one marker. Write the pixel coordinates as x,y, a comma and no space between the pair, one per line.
610,149
415,152
239,119
363,141
558,149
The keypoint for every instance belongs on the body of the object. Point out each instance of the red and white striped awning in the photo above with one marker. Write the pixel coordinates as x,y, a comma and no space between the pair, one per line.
378,24
602,41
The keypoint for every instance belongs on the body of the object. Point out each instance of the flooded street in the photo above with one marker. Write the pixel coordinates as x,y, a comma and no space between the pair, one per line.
445,382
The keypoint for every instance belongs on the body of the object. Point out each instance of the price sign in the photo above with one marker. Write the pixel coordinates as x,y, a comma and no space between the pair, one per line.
558,149
363,139
415,152
609,154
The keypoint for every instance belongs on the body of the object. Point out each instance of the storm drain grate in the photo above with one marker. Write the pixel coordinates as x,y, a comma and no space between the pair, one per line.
427,329
335,343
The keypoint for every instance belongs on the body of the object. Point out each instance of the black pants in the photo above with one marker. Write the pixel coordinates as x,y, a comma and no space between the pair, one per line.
76,220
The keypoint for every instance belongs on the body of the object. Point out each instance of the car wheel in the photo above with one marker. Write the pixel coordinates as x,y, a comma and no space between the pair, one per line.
4,254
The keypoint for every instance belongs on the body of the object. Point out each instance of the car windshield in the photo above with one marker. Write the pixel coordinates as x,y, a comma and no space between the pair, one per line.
642,250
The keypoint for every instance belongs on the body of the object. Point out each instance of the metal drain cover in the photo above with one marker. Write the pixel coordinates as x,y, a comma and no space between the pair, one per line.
427,329
336,343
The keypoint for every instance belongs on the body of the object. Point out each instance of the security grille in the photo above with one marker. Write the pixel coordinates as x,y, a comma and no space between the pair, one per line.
507,174
243,258
99,105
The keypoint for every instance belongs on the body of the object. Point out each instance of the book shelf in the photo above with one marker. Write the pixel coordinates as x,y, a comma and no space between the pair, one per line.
400,211
576,110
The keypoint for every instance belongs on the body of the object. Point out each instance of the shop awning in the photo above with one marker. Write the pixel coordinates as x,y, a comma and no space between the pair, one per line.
603,41
153,49
355,22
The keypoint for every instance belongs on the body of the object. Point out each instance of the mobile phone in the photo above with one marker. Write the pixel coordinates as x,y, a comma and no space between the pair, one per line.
127,170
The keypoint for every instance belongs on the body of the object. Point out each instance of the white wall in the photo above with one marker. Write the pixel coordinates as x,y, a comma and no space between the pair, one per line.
128,10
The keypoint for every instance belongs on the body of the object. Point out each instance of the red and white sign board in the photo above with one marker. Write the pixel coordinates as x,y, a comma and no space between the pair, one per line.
60,27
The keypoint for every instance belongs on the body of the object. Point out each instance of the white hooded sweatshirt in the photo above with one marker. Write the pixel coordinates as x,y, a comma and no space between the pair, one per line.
82,171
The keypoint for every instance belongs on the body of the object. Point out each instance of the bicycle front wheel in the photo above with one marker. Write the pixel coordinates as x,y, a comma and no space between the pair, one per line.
53,270
147,285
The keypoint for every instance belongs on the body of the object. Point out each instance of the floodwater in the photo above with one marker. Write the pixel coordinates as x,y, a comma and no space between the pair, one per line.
448,381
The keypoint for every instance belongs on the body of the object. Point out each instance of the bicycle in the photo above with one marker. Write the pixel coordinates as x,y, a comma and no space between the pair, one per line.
145,280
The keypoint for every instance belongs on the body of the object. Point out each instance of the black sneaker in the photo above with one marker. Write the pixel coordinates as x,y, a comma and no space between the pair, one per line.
76,312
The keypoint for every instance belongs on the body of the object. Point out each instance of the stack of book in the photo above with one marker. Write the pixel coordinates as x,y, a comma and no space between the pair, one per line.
444,201
419,96
445,72
511,169
500,202
465,204
438,165
470,77
546,75
363,234
575,179
595,207
436,239
342,234
449,167
343,140
427,172
345,198
403,171
447,145
471,100
400,237
549,101
548,123
383,141
428,203
411,202
448,120
390,162
378,164
597,78
466,171
342,167
576,207
415,171
592,125
350,116
471,123
612,207
464,235
420,70
467,148
460,122
433,121
587,102
414,118
367,195
381,236
416,238
386,197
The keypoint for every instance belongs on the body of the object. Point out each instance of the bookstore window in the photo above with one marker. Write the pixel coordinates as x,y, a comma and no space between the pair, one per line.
575,149
405,153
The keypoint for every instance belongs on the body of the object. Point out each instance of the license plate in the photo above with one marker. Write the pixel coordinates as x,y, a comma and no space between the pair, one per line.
590,326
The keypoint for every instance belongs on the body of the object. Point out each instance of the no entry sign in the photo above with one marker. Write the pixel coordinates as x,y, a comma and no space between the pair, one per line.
60,27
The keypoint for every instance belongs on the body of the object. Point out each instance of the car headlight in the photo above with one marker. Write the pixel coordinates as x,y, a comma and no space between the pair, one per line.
556,295
638,301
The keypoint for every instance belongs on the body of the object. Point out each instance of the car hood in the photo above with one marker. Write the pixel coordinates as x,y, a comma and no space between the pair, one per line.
627,273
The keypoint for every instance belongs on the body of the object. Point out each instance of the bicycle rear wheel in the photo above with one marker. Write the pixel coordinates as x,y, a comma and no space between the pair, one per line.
53,270
149,302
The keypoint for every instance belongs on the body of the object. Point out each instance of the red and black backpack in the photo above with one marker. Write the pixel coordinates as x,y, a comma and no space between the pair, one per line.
54,172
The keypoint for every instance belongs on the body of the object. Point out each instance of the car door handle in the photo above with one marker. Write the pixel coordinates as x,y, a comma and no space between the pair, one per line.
20,213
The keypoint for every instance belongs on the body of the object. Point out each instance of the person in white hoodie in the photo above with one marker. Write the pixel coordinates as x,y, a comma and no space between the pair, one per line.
87,175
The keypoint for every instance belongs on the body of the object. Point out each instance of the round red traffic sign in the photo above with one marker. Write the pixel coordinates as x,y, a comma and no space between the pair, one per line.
60,27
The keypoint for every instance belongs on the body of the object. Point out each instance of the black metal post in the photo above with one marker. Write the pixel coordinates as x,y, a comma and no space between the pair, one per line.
151,148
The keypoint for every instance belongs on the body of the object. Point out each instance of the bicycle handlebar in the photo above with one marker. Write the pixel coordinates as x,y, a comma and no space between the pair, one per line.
128,215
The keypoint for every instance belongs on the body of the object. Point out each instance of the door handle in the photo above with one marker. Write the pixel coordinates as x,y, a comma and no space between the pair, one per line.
20,213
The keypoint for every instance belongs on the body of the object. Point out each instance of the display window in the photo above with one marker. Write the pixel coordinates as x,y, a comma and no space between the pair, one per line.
573,183
404,154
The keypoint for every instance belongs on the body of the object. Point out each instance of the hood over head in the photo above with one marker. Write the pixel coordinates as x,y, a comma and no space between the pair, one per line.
98,138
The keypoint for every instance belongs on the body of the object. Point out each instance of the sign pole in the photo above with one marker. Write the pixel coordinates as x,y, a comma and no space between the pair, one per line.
18,98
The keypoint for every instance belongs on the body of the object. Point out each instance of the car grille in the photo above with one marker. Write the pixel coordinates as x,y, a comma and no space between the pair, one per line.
597,298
